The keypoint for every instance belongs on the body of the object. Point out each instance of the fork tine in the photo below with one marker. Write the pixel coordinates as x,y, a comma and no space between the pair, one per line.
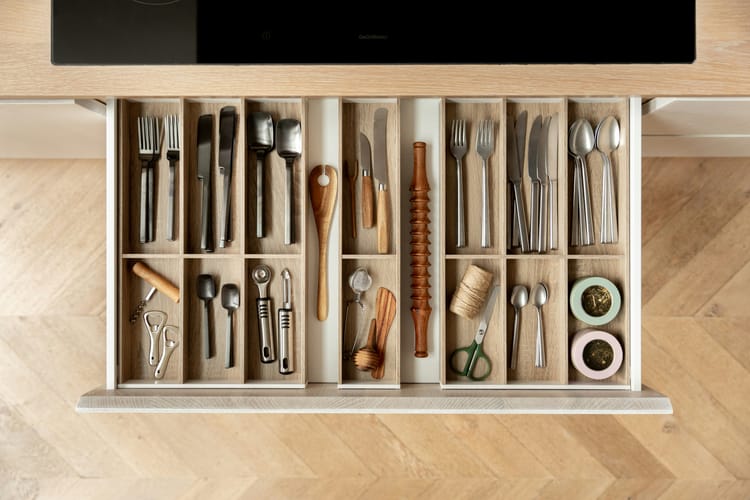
453,132
463,132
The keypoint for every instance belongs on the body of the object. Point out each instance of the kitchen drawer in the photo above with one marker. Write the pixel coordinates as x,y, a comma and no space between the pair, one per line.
323,381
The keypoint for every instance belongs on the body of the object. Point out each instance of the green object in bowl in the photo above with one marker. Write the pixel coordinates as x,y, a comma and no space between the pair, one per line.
595,300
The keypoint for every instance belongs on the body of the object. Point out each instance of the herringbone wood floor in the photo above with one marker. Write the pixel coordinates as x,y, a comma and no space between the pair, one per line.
696,347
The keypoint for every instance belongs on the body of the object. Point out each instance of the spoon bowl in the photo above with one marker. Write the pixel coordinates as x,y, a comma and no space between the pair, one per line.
519,297
608,135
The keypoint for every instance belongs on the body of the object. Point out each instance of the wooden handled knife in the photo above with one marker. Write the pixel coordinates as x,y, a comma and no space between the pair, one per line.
380,172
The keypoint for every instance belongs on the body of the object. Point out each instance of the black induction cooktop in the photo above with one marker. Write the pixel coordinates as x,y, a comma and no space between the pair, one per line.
112,32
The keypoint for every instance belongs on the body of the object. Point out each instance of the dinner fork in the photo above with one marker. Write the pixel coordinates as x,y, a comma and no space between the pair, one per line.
458,151
485,146
149,150
173,155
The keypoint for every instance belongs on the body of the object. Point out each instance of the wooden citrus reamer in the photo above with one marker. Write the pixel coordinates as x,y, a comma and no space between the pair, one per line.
420,250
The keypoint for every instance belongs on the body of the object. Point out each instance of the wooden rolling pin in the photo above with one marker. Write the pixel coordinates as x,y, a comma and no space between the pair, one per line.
157,282
420,250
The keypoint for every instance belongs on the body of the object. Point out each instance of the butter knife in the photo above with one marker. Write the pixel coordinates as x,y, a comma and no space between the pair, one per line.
514,174
533,172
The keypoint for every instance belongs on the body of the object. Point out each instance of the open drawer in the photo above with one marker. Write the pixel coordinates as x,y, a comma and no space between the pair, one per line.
324,378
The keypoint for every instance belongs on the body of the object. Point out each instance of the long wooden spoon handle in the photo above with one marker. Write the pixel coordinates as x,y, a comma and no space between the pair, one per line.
323,281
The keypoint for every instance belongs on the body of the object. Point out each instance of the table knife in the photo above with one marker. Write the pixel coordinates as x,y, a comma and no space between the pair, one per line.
227,127
552,134
205,135
521,150
368,195
543,168
533,172
380,172
514,174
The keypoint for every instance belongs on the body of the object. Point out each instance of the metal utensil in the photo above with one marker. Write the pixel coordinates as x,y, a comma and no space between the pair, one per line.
552,136
533,172
581,143
475,355
459,147
380,172
149,150
519,297
205,136
154,321
260,141
607,141
368,193
485,146
168,345
521,151
227,127
351,174
515,167
230,300
206,289
262,276
359,281
542,169
173,155
286,331
289,147
539,296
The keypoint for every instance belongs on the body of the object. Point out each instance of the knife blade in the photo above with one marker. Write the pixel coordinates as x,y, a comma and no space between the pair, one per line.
380,172
514,174
543,168
205,136
227,127
552,134
533,172
368,195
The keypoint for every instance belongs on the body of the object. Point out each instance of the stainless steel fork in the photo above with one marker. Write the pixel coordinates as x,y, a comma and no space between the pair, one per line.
173,155
459,147
485,147
149,150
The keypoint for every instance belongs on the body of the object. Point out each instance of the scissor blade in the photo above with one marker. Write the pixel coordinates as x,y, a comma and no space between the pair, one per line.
486,316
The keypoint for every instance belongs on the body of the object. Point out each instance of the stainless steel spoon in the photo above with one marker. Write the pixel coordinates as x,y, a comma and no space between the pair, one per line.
539,296
607,141
259,140
581,143
519,297
289,147
206,290
230,300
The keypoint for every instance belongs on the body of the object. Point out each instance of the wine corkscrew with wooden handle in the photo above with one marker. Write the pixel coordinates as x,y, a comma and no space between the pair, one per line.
420,250
157,282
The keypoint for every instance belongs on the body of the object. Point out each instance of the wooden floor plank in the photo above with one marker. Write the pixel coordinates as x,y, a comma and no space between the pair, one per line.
641,489
731,300
731,333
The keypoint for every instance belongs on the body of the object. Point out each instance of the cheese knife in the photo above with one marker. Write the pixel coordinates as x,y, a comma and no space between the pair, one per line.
368,196
205,134
380,172
227,127
533,172
514,174
552,134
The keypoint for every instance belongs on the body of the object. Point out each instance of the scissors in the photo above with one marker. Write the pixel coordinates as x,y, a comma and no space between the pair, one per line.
474,352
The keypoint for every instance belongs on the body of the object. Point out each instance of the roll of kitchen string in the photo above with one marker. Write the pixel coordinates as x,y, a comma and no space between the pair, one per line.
471,292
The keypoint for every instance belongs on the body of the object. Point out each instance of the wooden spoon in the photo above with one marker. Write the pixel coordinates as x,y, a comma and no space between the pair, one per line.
385,312
367,358
322,185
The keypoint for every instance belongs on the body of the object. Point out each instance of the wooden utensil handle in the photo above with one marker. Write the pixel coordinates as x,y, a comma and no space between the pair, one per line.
383,221
421,318
323,281
157,281
368,202
353,191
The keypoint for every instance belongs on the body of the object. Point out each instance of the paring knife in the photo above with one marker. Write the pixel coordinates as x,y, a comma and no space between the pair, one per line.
514,174
368,196
227,127
380,171
542,168
552,134
535,135
521,149
205,134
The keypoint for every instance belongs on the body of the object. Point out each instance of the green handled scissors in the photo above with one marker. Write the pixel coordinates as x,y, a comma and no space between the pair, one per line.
475,354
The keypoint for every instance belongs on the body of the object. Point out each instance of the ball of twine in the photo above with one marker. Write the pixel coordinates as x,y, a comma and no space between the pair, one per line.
471,292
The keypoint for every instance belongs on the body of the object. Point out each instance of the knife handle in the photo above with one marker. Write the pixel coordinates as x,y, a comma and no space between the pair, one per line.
534,216
523,231
225,218
368,202
552,215
383,220
206,222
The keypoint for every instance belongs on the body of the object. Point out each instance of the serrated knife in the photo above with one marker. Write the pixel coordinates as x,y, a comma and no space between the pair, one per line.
380,172
205,136
514,174
533,161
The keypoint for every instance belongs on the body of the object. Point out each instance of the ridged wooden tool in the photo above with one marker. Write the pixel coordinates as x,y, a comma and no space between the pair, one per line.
385,312
322,185
420,250
367,358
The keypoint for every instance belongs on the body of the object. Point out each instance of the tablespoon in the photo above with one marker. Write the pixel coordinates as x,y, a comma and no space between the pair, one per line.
539,297
581,143
519,297
607,141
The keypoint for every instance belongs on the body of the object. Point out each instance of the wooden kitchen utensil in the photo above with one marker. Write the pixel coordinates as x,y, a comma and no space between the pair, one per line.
385,312
322,186
367,358
420,251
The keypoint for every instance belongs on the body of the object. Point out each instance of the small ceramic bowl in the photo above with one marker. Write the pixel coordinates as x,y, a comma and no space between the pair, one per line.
595,300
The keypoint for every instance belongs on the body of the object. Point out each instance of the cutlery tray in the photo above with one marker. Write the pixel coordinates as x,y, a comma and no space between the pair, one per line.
331,128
